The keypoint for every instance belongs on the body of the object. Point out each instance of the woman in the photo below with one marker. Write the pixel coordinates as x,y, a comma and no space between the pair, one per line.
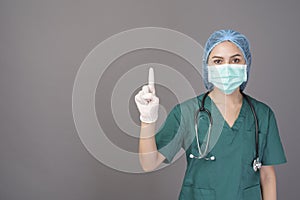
225,169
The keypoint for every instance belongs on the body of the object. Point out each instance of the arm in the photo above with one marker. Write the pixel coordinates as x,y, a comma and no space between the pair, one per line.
273,155
268,182
148,104
150,158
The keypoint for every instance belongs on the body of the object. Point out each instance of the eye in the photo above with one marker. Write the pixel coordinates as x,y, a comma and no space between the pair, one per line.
236,60
217,61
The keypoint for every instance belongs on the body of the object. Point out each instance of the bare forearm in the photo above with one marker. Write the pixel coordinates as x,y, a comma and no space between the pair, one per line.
268,185
147,147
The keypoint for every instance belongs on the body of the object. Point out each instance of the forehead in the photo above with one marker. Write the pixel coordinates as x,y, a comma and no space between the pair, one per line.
225,48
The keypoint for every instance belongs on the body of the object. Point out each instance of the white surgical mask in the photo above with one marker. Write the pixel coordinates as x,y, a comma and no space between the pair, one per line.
227,77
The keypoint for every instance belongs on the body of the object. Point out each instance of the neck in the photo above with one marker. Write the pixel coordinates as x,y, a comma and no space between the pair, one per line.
220,97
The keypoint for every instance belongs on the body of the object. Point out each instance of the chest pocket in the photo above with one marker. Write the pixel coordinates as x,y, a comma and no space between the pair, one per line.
193,193
249,143
251,178
252,193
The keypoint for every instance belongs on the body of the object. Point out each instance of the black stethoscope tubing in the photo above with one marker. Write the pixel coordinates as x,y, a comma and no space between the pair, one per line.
256,163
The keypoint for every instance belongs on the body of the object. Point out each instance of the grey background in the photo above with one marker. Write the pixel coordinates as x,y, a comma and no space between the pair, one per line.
43,43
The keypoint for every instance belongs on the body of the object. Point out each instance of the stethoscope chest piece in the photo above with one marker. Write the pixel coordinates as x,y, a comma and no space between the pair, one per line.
203,154
256,164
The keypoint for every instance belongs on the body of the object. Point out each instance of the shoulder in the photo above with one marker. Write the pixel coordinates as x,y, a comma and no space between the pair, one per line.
187,106
261,108
191,103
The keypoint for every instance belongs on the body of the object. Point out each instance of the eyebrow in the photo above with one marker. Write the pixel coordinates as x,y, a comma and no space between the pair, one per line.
230,56
235,55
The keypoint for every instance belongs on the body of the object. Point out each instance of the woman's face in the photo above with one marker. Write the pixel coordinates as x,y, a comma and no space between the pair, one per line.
226,53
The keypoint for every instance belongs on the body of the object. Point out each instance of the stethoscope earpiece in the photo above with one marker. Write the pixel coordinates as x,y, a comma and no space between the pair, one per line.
192,156
211,158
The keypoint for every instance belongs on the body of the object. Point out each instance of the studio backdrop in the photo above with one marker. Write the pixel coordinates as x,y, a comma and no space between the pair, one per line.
69,71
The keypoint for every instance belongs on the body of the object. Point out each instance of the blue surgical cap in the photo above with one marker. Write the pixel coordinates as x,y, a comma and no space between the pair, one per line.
220,36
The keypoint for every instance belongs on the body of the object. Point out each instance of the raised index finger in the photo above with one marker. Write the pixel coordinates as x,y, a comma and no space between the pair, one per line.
151,80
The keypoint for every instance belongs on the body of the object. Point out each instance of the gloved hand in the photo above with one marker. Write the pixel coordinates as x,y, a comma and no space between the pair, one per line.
147,102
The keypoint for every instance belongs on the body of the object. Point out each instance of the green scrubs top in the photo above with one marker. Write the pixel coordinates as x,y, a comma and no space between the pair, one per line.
230,176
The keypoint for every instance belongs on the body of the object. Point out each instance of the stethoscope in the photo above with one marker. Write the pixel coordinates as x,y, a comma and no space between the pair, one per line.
203,154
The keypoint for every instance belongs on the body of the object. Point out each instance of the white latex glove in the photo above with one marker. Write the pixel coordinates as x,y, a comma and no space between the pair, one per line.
147,102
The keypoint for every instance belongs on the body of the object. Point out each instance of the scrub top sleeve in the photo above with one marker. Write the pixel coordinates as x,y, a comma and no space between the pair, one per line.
273,152
169,136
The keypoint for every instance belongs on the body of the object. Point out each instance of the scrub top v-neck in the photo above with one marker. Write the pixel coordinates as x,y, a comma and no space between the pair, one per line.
230,176
237,120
